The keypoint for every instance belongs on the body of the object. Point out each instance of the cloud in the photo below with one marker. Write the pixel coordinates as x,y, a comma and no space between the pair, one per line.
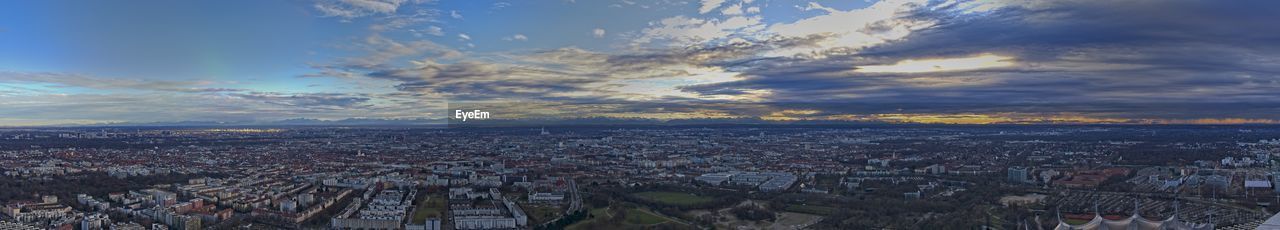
709,5
455,15
855,29
982,61
572,75
381,52
685,31
1078,58
481,80
735,9
430,30
121,100
411,21
817,6
384,50
900,61
597,33
464,37
516,37
350,9
91,82
500,5
323,101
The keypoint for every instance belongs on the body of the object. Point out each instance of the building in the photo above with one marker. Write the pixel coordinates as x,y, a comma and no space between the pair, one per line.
127,226
29,212
1275,181
466,194
1018,174
749,179
714,178
1134,221
936,169
483,222
174,220
492,215
1047,176
1251,184
87,200
16,226
430,224
162,198
765,181
96,221
289,206
911,195
546,197
387,210
778,181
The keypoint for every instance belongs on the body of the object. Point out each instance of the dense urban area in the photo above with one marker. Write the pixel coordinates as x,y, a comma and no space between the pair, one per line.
651,177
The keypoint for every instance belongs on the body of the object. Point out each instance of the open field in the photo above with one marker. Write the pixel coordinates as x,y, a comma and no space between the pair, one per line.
541,213
637,218
811,209
433,206
674,198
640,217
598,213
725,219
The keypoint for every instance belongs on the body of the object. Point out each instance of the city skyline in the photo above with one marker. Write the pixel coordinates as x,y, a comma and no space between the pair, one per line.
951,62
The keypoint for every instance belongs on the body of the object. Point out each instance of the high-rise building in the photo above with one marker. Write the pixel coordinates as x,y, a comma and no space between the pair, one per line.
1018,174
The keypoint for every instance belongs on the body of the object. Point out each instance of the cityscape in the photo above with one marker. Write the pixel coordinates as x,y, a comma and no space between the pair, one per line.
642,177
640,114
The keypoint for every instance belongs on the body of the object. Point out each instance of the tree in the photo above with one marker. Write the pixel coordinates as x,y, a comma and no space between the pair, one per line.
752,212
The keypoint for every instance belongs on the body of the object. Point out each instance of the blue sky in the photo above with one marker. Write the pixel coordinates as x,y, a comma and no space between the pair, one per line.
77,62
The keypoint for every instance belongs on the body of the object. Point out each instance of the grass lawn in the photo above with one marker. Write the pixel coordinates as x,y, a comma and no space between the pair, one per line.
541,213
635,217
811,209
674,198
1075,221
639,217
432,208
598,213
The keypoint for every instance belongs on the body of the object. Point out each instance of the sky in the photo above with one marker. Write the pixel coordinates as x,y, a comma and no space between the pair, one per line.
893,61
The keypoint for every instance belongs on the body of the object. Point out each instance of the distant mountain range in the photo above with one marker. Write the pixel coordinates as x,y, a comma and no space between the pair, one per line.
287,122
442,122
589,121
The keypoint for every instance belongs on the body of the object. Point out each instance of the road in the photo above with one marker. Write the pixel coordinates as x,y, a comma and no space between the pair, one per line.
575,202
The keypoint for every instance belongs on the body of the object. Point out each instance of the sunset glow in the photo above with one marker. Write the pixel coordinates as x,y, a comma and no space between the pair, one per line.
983,61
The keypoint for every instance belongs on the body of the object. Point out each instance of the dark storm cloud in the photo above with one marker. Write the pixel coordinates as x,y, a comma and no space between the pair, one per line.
568,74
1154,59
729,54
475,80
313,101
1114,59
